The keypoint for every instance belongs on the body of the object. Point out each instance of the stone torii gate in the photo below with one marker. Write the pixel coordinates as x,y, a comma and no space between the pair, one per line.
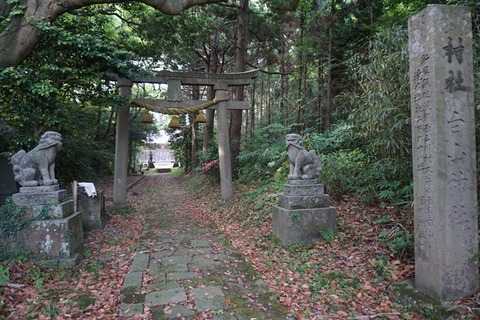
174,80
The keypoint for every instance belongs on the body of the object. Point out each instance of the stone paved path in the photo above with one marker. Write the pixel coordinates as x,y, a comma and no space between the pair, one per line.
183,271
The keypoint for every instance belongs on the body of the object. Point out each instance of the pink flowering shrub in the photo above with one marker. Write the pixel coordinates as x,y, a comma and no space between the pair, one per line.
210,167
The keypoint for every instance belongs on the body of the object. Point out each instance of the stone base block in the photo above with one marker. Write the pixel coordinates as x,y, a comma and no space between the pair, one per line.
47,205
51,240
94,215
405,294
40,189
302,225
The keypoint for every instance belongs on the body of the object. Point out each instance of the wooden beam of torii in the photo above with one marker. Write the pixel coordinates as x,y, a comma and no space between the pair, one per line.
175,80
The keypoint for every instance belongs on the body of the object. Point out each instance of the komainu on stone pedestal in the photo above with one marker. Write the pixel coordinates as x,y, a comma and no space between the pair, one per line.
304,211
55,234
37,167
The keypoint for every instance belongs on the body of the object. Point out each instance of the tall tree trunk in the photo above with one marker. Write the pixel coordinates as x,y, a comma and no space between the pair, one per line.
318,113
302,81
252,111
238,92
283,79
330,88
212,67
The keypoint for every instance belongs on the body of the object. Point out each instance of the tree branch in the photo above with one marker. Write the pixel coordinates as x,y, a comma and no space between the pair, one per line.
19,38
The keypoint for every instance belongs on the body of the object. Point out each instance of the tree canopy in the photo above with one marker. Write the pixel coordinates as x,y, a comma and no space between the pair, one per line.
21,19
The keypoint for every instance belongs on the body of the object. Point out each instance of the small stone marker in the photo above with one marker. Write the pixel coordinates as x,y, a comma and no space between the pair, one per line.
443,123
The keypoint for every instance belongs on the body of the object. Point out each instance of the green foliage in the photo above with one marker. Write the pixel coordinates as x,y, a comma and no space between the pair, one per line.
264,153
340,137
17,9
258,201
344,171
380,106
398,241
127,211
382,267
4,275
328,235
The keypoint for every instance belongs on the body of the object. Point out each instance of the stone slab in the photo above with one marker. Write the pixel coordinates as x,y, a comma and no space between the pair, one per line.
37,198
94,215
405,293
304,202
303,225
129,310
162,297
133,280
40,189
140,262
177,276
303,189
209,298
444,164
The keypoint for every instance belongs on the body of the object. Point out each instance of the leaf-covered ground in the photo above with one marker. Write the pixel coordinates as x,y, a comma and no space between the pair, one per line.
344,277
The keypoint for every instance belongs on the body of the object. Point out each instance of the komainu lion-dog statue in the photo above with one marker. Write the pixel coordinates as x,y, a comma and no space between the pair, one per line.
37,167
304,164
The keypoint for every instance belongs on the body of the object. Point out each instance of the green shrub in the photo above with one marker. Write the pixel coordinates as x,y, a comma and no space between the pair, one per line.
264,153
343,171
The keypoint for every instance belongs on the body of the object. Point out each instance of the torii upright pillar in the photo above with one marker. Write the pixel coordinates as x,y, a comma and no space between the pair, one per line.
121,146
224,143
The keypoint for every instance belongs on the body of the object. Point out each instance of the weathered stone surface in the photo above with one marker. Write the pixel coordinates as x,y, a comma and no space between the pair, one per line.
140,262
209,298
443,129
133,280
303,188
46,205
167,296
434,309
303,202
56,234
52,211
52,239
94,215
303,212
40,189
40,198
302,225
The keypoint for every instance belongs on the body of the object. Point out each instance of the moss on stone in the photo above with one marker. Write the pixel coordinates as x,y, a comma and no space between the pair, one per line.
433,309
130,296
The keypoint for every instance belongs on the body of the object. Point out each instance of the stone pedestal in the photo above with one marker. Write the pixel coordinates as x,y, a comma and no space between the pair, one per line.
303,212
94,216
444,165
56,232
